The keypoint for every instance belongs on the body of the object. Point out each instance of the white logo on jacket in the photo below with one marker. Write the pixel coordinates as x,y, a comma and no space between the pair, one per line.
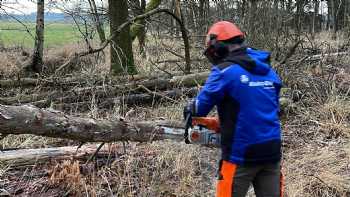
244,79
265,84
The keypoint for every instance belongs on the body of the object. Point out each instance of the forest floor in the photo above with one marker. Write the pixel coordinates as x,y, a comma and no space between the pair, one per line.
316,133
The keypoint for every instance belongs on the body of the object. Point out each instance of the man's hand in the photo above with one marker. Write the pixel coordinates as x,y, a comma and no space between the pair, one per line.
189,110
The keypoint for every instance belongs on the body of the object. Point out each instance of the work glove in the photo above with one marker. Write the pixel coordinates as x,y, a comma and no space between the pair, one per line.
189,109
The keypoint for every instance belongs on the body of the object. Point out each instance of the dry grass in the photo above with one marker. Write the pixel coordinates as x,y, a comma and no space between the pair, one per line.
9,64
31,141
67,172
157,169
318,172
326,42
176,169
334,117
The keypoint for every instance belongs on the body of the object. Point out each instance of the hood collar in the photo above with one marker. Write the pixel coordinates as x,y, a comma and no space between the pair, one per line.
252,60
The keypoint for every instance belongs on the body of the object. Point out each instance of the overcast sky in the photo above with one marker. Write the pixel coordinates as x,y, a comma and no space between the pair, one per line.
27,6
17,6
22,6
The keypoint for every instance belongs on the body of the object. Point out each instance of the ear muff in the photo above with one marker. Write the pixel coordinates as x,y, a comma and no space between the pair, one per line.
216,50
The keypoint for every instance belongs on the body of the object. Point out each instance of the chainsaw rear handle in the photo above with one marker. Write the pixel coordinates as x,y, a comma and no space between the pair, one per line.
188,124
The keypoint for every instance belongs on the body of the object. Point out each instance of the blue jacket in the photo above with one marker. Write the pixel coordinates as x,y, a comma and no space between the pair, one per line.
245,90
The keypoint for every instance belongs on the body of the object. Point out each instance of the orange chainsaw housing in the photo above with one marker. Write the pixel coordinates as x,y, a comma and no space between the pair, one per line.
211,123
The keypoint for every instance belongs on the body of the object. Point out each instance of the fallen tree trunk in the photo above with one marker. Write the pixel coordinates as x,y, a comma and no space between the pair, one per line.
189,80
27,157
24,82
66,103
45,122
22,98
25,98
32,82
104,91
70,81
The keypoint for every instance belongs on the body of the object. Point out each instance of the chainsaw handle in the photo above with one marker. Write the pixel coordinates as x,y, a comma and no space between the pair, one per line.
188,124
211,123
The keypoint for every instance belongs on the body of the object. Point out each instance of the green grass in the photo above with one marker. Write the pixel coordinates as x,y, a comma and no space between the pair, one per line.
56,34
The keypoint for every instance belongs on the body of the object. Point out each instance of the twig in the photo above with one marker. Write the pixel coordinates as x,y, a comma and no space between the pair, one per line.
163,70
179,60
173,52
178,65
155,93
96,152
80,145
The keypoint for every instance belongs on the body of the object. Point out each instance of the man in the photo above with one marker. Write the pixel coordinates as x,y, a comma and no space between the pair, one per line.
245,90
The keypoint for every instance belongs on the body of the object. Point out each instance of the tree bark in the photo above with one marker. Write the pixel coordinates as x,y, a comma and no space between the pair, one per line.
122,59
37,59
177,12
333,16
299,16
252,33
179,15
141,36
49,123
202,17
314,18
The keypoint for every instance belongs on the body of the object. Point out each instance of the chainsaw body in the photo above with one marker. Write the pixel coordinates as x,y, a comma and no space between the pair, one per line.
205,131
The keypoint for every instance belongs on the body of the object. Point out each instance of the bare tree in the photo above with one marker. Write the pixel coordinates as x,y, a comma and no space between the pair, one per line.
122,60
97,20
316,5
37,59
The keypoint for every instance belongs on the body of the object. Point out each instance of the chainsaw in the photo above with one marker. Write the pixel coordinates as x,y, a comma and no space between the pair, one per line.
203,131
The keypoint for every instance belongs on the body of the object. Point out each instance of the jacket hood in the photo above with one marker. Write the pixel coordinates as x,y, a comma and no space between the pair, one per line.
254,61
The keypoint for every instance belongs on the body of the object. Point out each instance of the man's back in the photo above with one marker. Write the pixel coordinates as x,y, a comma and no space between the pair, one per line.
245,89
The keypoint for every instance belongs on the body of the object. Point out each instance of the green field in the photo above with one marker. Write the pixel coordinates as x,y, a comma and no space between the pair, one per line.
56,34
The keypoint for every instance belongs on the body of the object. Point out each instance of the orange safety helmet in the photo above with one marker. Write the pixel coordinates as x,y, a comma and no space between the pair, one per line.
219,35
224,30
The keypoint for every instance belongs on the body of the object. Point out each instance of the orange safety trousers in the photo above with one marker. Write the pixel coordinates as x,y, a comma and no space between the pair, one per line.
227,180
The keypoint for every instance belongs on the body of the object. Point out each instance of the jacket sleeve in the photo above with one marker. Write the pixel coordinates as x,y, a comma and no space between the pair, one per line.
211,94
